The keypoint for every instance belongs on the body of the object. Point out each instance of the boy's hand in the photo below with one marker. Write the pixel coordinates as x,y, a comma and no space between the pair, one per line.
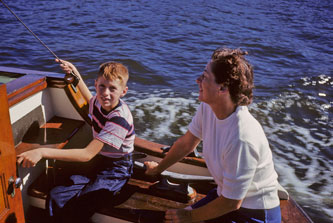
30,158
151,168
179,215
66,66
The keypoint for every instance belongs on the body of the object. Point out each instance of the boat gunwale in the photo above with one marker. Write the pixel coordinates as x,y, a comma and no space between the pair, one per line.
28,82
155,149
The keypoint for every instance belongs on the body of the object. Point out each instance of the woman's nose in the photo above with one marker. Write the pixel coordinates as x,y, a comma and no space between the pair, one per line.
199,79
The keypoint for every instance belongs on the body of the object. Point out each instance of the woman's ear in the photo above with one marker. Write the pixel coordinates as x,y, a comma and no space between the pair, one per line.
223,88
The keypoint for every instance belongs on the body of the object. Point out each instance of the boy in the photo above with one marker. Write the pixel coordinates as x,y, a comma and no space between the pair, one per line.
108,156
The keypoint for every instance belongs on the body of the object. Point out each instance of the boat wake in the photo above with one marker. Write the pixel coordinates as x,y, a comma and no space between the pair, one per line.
298,126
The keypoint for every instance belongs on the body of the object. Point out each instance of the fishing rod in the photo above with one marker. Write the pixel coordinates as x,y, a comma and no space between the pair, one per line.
72,78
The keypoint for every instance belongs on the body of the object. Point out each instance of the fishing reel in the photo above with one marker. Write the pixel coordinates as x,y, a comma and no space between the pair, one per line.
73,80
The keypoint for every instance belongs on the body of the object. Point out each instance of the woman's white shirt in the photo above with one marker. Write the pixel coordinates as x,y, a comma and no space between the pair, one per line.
238,156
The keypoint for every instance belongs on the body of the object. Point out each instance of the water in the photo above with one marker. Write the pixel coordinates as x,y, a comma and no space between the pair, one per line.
166,45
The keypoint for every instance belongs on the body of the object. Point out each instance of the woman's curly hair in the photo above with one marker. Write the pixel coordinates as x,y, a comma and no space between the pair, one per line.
232,70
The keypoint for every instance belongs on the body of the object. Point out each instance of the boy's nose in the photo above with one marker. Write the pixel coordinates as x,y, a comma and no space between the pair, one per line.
106,92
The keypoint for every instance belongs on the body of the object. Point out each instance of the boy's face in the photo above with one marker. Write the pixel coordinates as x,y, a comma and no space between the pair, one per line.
109,92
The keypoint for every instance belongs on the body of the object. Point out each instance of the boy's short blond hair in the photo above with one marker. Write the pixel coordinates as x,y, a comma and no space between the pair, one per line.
112,71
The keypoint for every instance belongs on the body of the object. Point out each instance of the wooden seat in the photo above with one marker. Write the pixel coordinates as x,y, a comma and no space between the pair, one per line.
56,133
139,200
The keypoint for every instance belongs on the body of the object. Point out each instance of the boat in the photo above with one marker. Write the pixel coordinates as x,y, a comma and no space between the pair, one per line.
44,108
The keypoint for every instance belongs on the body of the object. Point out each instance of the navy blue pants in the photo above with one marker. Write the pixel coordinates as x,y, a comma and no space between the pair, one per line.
242,215
95,184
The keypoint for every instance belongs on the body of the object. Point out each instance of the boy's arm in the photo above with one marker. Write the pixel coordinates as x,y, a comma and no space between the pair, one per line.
31,158
68,67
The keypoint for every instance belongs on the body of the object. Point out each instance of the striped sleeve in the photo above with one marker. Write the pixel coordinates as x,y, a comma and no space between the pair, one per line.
114,132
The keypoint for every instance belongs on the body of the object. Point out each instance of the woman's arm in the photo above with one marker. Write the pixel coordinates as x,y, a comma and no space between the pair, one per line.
216,208
183,146
31,158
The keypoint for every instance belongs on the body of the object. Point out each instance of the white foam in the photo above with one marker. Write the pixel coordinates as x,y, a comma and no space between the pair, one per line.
168,116
296,144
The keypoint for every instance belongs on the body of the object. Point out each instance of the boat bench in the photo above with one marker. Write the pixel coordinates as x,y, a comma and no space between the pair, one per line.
139,200
56,133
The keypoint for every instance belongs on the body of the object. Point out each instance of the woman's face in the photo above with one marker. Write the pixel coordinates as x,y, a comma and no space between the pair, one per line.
208,88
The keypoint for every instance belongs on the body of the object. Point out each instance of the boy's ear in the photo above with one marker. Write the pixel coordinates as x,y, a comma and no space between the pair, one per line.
125,89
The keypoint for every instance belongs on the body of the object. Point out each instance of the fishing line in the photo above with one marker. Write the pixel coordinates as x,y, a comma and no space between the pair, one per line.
30,31
68,79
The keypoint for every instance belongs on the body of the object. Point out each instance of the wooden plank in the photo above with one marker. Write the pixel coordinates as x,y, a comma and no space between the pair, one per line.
11,207
292,213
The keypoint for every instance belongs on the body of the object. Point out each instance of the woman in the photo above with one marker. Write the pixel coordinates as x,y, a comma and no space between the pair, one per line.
235,148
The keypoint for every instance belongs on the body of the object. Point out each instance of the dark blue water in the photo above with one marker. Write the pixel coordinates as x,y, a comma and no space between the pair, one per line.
166,45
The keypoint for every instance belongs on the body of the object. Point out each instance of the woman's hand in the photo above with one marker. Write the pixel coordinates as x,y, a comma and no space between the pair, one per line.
178,215
151,168
66,66
30,158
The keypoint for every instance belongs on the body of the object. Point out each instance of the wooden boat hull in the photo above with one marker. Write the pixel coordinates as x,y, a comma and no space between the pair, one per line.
44,110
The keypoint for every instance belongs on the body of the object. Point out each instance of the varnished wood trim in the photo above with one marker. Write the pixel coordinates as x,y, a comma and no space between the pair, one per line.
8,160
55,82
21,84
79,102
3,196
23,87
292,213
14,99
154,149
